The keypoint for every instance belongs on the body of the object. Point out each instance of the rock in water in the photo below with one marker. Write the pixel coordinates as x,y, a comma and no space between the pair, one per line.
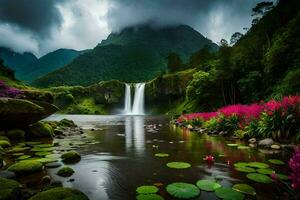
60,193
65,172
26,167
40,130
18,112
71,157
266,142
15,134
9,189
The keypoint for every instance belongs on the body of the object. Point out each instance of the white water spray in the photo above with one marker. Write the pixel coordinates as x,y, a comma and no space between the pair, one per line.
138,101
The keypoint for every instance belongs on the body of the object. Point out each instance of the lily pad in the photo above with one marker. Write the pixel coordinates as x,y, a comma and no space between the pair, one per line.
149,197
178,165
266,171
183,190
147,189
240,164
260,178
208,185
258,165
283,177
229,194
161,155
243,147
232,145
244,188
245,169
276,162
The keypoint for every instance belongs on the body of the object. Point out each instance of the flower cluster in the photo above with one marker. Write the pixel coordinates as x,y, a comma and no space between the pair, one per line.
6,91
294,164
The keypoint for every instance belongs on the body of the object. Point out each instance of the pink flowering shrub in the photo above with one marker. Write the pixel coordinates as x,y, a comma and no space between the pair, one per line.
294,164
6,91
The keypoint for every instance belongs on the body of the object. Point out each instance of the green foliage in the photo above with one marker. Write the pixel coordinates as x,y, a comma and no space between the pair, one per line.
60,193
211,124
239,133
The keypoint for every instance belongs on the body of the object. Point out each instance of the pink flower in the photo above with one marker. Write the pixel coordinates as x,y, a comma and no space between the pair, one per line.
294,164
209,159
274,176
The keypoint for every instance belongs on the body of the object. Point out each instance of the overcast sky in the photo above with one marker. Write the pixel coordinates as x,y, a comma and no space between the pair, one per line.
41,26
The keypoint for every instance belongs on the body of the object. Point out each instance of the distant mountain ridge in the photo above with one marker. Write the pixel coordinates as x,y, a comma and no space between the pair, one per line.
133,55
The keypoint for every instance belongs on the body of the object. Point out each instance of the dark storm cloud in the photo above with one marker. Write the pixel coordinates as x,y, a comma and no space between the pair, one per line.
37,16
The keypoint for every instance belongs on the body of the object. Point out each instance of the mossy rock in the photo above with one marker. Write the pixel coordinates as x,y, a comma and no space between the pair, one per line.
26,167
18,149
15,134
61,194
65,172
71,157
40,130
9,189
66,123
4,143
2,137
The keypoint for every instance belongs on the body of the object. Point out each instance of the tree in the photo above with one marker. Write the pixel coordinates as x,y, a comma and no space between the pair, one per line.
200,58
260,10
174,62
223,43
235,37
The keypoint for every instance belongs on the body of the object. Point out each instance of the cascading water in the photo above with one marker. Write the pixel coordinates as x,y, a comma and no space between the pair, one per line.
138,101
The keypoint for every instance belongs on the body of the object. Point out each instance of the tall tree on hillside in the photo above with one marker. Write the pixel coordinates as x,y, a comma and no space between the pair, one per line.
174,62
235,37
260,10
200,58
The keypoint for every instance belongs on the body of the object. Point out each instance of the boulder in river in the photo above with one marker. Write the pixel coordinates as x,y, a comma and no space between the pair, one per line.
65,172
40,130
71,157
26,167
9,189
268,142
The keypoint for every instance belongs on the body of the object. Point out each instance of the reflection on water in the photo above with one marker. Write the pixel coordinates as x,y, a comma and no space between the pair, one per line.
124,157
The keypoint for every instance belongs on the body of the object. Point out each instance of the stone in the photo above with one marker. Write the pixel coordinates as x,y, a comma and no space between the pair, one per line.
7,174
4,143
275,146
9,189
40,130
15,134
60,193
67,123
25,167
4,138
71,157
46,180
252,141
65,172
53,165
58,132
268,142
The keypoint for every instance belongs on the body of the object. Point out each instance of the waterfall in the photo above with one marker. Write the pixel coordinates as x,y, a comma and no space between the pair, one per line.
138,101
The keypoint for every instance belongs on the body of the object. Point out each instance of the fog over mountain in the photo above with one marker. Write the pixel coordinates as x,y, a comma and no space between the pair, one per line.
43,26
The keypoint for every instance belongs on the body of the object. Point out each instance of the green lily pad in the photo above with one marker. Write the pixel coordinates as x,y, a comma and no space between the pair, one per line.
244,188
229,194
276,162
260,178
23,157
161,155
178,165
240,164
149,197
243,147
183,190
147,189
258,165
266,171
245,169
208,185
232,145
283,177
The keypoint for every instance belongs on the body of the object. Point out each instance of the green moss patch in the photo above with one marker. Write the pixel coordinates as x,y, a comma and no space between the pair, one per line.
9,189
71,157
26,167
65,172
61,194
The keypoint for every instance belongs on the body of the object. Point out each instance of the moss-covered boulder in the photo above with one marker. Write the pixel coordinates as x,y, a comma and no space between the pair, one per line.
26,167
71,157
40,130
66,123
4,143
65,172
19,113
15,134
4,138
9,189
61,194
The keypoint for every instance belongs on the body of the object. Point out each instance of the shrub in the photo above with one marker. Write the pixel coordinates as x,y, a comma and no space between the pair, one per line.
6,91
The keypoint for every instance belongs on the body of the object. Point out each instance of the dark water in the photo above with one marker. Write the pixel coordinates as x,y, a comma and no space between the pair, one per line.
124,158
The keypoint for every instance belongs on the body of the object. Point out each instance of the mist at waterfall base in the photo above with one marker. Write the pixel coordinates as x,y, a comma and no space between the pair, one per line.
137,107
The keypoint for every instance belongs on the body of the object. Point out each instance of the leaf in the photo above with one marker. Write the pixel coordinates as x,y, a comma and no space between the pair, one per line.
243,147
208,185
23,157
229,194
232,145
183,190
258,165
149,197
147,189
240,164
161,155
265,171
260,178
245,169
244,188
276,162
178,165
283,177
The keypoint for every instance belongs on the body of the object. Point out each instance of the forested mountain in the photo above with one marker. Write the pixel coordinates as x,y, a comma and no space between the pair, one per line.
133,55
48,63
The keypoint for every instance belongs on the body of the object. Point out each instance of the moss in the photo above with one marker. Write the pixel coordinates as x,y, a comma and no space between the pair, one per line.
71,157
15,134
18,149
26,167
61,194
40,130
9,189
65,172
66,123
4,143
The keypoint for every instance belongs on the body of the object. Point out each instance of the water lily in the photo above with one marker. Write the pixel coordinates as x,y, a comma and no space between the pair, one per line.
209,159
274,176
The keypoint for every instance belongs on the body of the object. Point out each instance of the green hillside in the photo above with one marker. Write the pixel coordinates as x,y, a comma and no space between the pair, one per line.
133,55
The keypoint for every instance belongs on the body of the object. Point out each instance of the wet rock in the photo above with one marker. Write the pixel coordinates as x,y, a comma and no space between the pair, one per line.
252,141
252,145
266,142
46,180
275,146
65,172
9,189
71,157
223,133
66,123
56,184
58,132
4,143
15,134
53,165
71,180
25,167
40,130
7,174
60,193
